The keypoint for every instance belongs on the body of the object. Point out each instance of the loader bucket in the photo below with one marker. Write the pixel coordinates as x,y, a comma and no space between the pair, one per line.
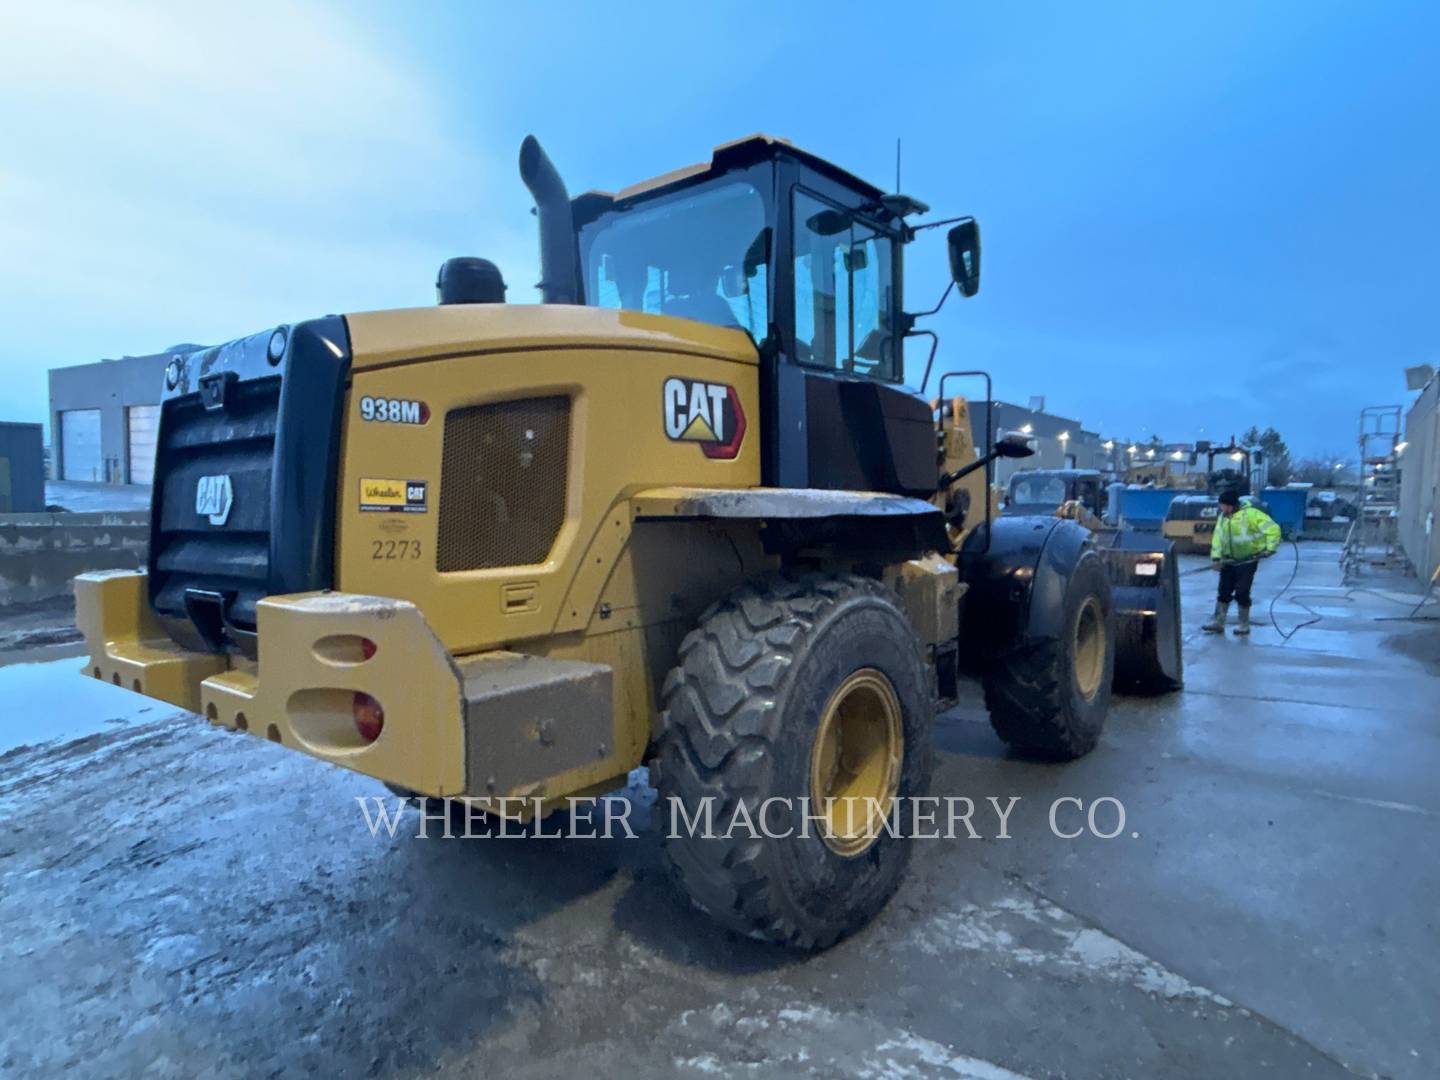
1145,581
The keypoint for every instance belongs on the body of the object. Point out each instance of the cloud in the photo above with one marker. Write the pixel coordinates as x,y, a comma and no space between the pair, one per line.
194,173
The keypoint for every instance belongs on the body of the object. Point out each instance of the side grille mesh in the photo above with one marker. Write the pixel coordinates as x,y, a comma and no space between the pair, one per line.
502,483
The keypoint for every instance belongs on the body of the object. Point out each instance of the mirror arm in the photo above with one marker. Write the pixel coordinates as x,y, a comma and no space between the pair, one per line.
937,224
966,470
911,317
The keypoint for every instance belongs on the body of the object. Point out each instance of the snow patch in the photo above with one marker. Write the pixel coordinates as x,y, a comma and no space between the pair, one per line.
1032,933
705,1063
925,1056
809,1014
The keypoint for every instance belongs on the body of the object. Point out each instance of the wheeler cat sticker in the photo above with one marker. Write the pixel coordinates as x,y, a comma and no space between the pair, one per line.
400,496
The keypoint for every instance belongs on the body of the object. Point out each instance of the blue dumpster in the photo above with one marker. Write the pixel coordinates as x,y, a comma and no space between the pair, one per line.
1287,507
1143,508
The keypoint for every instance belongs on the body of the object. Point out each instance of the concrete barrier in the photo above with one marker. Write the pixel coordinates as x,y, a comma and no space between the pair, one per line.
40,554
1322,529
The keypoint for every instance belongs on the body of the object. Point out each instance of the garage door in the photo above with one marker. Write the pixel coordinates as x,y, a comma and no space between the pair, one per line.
80,445
141,424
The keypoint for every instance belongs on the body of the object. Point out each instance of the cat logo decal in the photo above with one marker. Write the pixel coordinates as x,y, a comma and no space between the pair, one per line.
704,413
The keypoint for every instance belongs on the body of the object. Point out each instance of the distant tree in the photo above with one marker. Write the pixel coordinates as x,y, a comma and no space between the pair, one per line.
1319,471
1277,454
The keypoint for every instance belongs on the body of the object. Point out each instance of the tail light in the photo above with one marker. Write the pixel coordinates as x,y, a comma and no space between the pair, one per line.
369,716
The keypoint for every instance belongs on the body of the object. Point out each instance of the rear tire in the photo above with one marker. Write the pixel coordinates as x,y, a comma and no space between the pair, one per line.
766,673
1050,699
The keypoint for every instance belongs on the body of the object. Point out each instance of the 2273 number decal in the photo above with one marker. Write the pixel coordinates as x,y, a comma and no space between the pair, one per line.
390,550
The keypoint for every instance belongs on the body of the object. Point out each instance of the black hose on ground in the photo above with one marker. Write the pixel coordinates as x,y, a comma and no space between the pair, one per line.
1294,572
1413,616
1315,615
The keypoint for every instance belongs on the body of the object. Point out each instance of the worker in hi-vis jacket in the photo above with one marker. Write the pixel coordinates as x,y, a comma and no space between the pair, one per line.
1243,536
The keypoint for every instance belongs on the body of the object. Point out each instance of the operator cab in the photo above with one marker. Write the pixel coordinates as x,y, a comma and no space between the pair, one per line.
806,259
1230,466
1041,491
765,238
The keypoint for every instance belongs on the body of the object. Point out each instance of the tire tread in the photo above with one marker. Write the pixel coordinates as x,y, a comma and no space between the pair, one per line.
719,727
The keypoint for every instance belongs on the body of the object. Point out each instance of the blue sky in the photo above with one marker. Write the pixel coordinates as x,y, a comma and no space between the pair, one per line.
1196,217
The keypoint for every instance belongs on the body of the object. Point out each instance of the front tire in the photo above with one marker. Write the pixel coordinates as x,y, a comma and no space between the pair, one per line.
794,689
1049,699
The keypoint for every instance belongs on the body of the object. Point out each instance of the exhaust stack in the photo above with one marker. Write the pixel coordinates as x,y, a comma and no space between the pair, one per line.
559,260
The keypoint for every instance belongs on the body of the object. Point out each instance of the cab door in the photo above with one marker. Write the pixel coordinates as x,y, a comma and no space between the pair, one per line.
842,418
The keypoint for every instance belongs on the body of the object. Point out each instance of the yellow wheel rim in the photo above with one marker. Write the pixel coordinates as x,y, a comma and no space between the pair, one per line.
1089,647
855,762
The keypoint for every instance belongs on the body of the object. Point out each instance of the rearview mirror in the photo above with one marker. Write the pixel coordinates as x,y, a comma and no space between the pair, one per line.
964,241
828,223
1015,444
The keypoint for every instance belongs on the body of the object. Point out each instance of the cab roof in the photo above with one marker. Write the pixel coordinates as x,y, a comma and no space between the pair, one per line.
736,154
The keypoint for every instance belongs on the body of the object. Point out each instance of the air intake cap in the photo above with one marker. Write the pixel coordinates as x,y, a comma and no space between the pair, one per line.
469,280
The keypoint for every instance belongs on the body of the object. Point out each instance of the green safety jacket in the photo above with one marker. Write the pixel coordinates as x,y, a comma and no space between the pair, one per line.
1243,535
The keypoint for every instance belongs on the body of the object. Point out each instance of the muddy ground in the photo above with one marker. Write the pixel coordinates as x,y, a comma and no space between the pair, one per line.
186,902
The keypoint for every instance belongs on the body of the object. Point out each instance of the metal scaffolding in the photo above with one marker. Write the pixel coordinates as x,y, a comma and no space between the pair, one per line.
1371,541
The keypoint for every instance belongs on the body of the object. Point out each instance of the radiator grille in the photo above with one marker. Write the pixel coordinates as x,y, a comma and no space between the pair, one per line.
502,483
188,552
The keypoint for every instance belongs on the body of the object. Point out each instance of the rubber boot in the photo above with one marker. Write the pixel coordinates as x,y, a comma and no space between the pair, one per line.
1216,625
1244,625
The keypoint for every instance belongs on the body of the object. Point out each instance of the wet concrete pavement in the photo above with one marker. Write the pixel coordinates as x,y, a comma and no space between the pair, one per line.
191,902
44,704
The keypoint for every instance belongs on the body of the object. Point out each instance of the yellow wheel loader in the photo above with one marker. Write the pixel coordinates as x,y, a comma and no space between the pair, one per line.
1190,518
1143,574
682,513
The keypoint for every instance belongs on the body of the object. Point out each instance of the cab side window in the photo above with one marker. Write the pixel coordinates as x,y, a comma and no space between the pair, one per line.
843,292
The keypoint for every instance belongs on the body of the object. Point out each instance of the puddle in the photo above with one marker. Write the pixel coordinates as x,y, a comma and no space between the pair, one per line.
53,701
